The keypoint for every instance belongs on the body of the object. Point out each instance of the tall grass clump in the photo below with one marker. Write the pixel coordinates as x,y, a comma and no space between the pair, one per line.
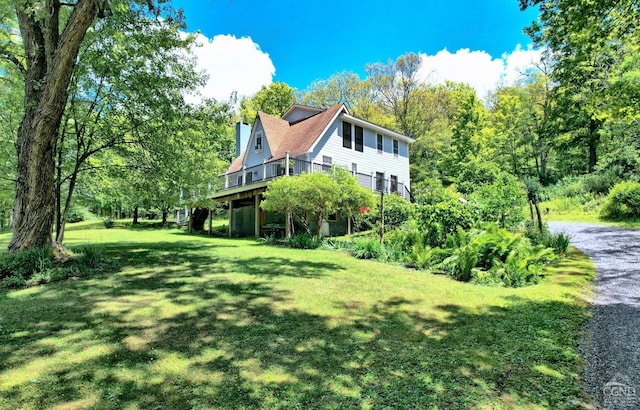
367,248
39,265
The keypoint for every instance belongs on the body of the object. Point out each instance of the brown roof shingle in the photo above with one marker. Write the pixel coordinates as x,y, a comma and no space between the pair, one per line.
296,138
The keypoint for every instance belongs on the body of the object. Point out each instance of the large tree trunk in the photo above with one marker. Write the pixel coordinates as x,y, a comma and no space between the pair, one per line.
136,213
51,59
198,219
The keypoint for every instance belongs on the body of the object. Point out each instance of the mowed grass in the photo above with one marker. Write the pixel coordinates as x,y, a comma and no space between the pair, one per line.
572,210
198,322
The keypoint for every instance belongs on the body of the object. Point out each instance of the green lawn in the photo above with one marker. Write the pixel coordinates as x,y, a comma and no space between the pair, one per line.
197,322
572,210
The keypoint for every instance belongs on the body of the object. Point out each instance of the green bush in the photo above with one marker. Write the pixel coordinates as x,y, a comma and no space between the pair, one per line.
424,257
25,264
75,215
568,187
367,248
439,220
502,202
599,183
623,201
559,242
304,241
37,265
109,222
397,211
493,256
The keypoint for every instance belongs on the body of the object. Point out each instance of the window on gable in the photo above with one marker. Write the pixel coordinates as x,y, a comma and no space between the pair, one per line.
258,146
395,147
346,134
379,144
359,139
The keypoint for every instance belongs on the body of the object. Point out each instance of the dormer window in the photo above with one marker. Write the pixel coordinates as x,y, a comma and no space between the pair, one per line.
258,146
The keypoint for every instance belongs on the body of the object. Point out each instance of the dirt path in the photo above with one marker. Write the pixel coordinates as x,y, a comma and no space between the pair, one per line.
612,349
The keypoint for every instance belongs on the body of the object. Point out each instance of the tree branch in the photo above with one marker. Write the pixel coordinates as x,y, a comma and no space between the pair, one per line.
5,55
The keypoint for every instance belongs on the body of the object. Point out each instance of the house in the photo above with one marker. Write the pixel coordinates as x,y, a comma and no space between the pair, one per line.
303,140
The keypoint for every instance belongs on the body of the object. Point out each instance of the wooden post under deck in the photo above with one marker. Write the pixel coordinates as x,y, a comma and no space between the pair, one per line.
257,215
230,216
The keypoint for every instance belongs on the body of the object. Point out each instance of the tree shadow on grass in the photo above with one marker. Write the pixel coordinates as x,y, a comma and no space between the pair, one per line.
198,258
233,346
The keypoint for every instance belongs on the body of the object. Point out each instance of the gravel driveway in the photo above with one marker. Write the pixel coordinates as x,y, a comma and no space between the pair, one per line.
612,348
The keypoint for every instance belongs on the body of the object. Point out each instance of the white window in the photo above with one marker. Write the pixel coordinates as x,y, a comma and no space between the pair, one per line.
395,148
258,146
326,163
380,185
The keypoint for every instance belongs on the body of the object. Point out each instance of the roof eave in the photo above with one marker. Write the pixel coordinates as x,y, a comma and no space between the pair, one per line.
378,128
326,128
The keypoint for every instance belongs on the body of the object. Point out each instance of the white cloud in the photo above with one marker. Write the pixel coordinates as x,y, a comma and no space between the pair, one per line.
477,68
232,64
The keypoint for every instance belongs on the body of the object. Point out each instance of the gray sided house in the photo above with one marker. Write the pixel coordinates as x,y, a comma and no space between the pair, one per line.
305,140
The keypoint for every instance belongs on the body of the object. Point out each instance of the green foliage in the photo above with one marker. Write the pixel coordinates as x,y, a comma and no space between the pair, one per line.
559,242
494,256
397,211
474,174
623,201
502,201
599,183
304,241
108,222
91,257
367,248
35,266
273,99
438,220
76,215
317,193
23,265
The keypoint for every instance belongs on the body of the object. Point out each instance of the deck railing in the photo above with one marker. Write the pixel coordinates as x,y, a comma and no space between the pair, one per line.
293,166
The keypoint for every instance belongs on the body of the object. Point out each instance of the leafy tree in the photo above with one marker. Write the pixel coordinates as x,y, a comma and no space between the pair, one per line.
11,108
352,196
346,87
282,196
396,86
502,201
125,90
51,40
274,99
318,194
587,42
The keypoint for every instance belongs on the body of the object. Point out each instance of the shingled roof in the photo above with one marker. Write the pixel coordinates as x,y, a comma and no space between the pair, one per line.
297,137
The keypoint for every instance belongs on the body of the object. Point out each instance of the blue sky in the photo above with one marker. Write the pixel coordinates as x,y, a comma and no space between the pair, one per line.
308,41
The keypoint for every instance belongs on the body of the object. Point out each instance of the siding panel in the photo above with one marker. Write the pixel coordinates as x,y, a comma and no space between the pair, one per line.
369,161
